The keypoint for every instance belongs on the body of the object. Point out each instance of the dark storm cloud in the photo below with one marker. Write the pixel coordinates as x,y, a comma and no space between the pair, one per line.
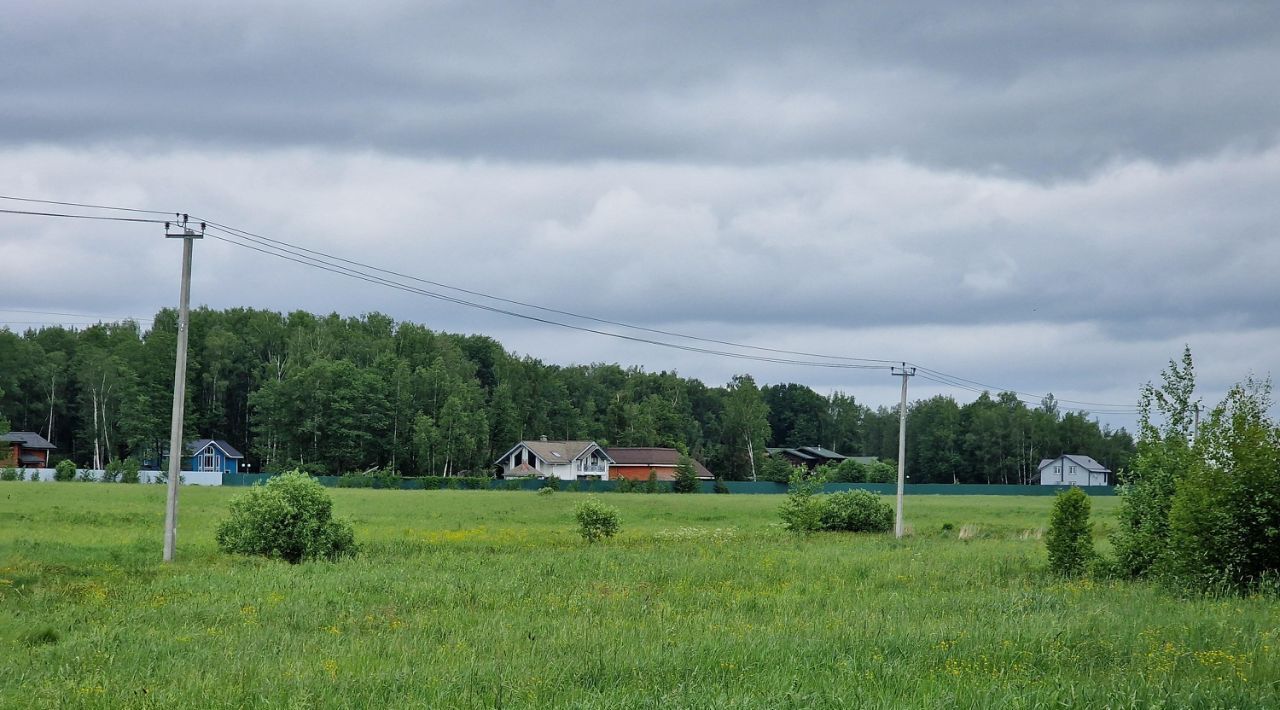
1031,89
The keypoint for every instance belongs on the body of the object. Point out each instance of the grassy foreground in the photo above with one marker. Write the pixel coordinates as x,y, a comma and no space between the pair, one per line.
488,599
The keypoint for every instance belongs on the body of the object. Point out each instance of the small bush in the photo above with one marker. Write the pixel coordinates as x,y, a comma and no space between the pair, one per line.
9,474
113,472
802,510
721,487
129,470
596,520
856,511
64,471
651,483
546,491
686,476
512,484
625,485
1070,537
289,518
551,482
85,474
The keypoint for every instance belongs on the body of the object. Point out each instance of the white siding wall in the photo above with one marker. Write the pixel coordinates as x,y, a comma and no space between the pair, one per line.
1065,472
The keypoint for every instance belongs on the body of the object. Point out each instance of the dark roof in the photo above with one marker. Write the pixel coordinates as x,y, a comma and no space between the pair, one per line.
651,456
28,440
199,444
823,453
796,453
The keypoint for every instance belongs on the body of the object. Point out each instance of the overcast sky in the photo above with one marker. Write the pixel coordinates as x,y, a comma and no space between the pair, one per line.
1049,197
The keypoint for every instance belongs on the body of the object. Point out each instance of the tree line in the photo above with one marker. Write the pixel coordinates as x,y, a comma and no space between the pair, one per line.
333,394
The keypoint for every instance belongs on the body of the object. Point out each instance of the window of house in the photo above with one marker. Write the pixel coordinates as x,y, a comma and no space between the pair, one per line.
207,461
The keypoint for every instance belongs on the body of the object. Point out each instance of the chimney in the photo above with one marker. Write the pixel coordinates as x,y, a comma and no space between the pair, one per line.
542,438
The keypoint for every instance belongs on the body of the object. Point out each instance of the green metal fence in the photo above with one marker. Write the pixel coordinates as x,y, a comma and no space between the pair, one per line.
734,487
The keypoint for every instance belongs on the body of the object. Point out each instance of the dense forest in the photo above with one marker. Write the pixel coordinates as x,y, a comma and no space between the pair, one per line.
334,395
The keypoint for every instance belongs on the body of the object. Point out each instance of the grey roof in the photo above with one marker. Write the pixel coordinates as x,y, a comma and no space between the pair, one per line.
1086,462
27,439
556,451
199,444
807,453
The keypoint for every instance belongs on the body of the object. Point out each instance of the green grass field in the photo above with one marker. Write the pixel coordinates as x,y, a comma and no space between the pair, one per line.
489,599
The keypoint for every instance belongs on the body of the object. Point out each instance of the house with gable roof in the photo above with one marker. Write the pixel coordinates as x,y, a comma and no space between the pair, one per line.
24,449
809,457
210,456
1072,470
635,463
564,460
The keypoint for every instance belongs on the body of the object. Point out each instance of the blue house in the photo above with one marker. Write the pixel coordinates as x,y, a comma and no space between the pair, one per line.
212,455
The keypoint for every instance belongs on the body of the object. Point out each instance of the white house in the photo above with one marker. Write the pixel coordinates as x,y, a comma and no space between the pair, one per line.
565,460
1073,470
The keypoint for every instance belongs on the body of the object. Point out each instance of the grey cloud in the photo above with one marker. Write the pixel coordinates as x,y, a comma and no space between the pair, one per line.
1037,90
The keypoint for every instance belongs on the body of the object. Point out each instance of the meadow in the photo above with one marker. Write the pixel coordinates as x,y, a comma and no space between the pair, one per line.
486,599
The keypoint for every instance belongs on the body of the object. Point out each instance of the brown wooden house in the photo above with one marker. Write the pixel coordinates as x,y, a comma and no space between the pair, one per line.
635,463
24,449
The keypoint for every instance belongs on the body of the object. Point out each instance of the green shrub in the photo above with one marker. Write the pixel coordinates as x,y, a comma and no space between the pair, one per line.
129,470
686,476
85,474
1070,536
625,485
776,468
651,483
596,520
115,468
721,487
511,484
1224,523
9,473
551,482
546,491
856,511
22,475
289,518
64,471
802,510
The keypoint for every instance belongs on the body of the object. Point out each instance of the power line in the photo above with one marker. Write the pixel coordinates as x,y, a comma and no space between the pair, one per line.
74,315
81,204
324,261
288,255
85,216
604,321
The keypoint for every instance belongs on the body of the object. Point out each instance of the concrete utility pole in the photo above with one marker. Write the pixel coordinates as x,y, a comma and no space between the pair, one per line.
904,372
176,445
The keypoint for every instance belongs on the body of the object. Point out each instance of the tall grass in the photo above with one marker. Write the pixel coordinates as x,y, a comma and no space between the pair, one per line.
490,599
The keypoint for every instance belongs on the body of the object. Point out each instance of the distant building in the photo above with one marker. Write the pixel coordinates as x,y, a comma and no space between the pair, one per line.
564,460
24,449
1073,470
635,463
210,456
812,457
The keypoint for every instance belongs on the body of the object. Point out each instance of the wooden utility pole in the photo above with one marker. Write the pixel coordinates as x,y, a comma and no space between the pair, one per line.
176,445
904,372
